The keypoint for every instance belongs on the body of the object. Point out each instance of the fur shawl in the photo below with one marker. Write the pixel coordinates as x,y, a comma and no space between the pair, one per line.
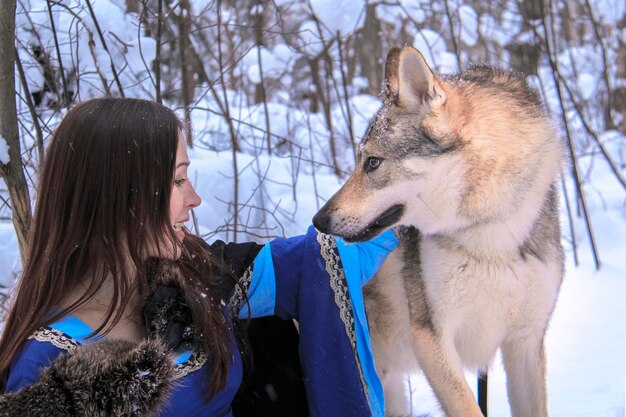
112,378
108,378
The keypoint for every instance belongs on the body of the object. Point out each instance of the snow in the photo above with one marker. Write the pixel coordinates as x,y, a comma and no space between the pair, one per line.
391,13
431,45
586,338
4,150
608,12
9,253
587,85
448,63
339,16
121,33
212,175
309,38
469,24
275,62
511,20
491,29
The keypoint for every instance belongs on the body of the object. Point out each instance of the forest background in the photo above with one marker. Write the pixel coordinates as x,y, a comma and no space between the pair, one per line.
276,95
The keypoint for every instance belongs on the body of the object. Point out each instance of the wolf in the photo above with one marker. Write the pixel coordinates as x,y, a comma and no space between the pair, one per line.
469,163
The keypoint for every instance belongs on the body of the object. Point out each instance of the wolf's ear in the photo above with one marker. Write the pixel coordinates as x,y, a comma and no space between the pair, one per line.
409,80
391,87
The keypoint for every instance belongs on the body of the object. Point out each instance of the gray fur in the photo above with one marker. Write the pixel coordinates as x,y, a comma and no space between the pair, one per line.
103,379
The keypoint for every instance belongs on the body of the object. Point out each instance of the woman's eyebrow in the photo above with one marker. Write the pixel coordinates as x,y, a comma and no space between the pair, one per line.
184,163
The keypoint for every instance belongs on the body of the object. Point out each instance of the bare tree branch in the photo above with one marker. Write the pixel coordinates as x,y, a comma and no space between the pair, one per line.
64,98
104,45
31,106
570,142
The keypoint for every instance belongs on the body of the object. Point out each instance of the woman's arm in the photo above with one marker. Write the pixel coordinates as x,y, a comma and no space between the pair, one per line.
317,280
274,276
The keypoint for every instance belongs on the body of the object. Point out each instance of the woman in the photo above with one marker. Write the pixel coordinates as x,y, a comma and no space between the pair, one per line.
110,259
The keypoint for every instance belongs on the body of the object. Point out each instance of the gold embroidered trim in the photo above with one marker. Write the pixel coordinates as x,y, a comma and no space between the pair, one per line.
236,301
195,362
339,285
62,341
57,338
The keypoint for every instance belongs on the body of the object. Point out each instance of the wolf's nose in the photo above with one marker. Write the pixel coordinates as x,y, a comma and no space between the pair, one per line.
321,221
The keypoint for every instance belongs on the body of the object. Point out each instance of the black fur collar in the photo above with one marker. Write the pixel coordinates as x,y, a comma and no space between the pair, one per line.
166,312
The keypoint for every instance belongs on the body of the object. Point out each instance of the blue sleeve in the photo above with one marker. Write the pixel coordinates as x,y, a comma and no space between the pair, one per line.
318,281
262,287
28,364
275,279
362,260
278,267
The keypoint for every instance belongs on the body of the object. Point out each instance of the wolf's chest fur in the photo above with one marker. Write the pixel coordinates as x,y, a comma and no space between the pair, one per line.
477,302
473,303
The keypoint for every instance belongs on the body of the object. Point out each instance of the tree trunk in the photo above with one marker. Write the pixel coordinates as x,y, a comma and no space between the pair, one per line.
525,55
259,26
619,95
369,50
12,172
186,67
132,6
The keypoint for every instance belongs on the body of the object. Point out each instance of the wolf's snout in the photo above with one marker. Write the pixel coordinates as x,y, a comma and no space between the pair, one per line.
322,220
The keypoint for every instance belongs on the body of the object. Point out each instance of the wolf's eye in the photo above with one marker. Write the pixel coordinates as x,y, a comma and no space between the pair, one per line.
372,163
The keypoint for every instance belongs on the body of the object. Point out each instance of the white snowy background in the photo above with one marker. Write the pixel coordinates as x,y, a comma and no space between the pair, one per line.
279,193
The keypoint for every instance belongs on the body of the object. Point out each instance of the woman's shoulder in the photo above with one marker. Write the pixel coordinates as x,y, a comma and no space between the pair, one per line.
43,346
47,343
37,353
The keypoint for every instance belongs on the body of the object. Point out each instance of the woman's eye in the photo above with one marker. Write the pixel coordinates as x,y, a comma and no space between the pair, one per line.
372,163
180,182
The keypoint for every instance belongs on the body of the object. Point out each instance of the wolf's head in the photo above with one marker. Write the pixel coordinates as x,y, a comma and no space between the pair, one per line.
443,154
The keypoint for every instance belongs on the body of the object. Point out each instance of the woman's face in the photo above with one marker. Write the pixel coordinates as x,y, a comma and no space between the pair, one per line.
184,196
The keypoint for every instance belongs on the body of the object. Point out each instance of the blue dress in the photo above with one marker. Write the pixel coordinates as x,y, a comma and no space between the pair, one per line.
315,279
186,398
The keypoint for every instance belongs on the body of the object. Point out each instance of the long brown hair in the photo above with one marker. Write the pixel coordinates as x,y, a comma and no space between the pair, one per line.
103,202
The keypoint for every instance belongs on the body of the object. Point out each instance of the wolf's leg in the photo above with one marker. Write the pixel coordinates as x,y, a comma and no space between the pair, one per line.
388,315
394,363
395,391
444,374
525,366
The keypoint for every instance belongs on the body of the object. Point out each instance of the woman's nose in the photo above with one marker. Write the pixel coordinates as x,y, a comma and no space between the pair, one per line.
194,199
